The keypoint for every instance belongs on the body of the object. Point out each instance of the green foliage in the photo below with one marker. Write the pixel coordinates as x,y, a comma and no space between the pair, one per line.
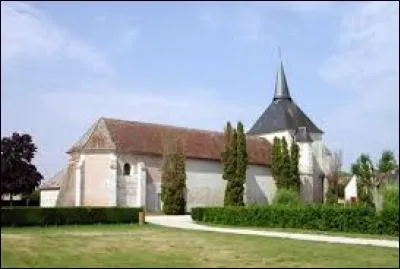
315,217
285,164
173,180
332,194
277,162
232,190
39,216
229,168
234,159
287,197
334,177
364,170
387,162
294,179
18,174
390,196
340,190
242,161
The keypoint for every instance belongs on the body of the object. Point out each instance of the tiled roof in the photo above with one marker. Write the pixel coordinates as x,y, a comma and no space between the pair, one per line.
148,138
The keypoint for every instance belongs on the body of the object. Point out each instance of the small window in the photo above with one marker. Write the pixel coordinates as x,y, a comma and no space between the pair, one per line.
127,169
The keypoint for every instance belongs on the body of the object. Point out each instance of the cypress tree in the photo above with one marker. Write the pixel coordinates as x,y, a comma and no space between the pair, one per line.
276,162
231,190
294,167
242,161
173,179
285,171
227,151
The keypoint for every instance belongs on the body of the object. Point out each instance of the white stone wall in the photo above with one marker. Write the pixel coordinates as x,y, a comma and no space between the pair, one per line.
127,185
306,158
205,185
141,185
48,198
260,186
99,184
80,182
287,134
153,196
111,180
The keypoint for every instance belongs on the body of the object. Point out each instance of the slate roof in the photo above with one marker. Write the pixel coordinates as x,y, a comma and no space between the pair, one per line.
148,138
282,113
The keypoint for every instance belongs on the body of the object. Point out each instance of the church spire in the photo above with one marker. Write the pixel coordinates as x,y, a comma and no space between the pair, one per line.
281,87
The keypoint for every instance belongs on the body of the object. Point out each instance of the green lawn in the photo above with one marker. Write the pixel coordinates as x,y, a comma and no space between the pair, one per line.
153,246
304,231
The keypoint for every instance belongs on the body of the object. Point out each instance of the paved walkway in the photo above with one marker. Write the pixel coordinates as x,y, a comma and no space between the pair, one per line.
185,222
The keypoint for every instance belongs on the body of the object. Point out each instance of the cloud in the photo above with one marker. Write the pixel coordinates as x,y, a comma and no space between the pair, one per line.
366,63
27,34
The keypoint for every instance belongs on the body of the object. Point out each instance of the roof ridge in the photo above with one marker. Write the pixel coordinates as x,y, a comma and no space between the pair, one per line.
172,126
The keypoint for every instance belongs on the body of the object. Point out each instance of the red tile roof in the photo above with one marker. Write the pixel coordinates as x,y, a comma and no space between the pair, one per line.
147,138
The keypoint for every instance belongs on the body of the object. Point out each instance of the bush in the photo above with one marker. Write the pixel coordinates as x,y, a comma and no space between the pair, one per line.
390,196
316,217
38,216
287,197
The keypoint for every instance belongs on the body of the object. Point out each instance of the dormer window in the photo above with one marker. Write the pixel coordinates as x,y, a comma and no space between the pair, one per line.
127,169
302,130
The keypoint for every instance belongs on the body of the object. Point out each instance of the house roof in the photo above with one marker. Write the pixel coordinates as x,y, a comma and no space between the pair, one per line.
282,113
148,138
53,183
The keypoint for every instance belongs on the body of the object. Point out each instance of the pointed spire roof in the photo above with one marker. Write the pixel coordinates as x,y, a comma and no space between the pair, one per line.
281,87
282,114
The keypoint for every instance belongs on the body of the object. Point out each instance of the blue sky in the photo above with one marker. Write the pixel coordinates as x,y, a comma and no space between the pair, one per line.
198,64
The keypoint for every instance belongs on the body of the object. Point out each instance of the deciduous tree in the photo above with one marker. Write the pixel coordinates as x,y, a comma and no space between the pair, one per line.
18,174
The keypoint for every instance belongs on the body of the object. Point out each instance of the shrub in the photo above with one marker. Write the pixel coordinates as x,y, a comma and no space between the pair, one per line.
287,197
354,219
39,216
390,196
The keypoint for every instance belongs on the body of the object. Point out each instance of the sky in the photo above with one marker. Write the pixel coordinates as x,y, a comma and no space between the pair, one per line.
198,65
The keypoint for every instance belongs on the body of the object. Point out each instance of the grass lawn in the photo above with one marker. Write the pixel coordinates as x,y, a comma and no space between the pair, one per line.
305,231
153,246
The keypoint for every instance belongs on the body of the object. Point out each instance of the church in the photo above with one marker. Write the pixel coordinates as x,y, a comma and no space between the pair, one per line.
118,162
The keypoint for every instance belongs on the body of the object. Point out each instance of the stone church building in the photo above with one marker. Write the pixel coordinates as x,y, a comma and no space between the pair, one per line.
118,162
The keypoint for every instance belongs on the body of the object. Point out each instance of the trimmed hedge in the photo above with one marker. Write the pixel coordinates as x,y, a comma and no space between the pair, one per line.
314,217
39,216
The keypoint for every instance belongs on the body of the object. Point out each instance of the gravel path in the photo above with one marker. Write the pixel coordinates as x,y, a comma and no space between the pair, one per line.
185,222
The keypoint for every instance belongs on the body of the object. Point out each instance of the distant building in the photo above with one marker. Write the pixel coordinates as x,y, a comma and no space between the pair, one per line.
350,191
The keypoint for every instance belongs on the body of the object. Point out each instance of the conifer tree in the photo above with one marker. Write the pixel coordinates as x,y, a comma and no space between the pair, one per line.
173,179
242,161
294,167
276,162
227,151
231,191
285,171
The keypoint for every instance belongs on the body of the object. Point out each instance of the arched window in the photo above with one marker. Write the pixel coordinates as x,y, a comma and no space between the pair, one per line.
127,169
